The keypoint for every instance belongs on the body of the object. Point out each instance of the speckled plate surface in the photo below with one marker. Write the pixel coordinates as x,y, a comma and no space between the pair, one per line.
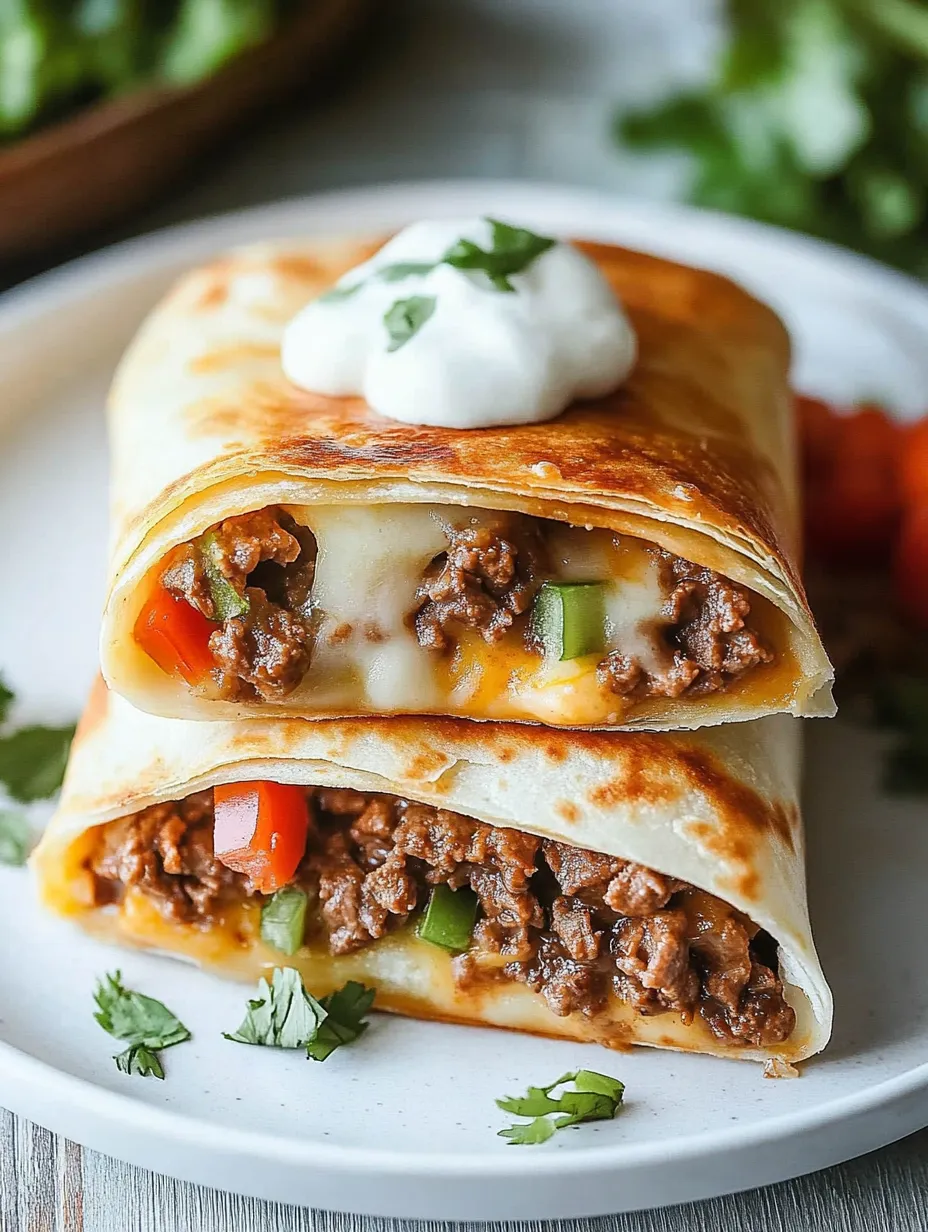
405,1124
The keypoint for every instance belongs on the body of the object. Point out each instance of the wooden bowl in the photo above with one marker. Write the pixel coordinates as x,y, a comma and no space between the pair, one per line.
111,158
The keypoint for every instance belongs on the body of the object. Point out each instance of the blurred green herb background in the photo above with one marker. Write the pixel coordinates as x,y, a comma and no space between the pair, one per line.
56,55
817,119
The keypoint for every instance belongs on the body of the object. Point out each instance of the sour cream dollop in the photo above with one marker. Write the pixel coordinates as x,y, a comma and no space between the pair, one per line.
425,342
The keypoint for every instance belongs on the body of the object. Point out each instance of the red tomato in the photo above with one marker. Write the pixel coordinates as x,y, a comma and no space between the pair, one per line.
913,466
911,564
260,830
851,515
819,432
869,435
175,635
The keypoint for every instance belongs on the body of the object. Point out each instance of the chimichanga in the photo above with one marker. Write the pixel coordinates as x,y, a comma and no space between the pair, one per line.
631,562
624,887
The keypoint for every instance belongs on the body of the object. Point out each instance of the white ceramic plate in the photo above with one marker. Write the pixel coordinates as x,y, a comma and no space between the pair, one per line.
405,1123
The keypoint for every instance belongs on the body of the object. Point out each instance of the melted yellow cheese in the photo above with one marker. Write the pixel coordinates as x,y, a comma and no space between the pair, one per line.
411,978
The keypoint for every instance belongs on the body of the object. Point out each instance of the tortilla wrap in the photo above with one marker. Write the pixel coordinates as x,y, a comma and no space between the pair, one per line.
694,453
716,808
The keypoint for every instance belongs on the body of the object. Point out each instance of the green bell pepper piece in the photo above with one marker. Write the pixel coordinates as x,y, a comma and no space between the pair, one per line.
449,918
227,602
283,919
569,618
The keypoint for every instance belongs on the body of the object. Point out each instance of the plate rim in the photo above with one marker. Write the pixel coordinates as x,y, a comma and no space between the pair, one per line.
120,261
132,259
343,1158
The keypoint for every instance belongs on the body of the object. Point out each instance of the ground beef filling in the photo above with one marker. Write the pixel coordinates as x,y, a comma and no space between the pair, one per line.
706,638
571,924
167,851
268,559
487,578
485,581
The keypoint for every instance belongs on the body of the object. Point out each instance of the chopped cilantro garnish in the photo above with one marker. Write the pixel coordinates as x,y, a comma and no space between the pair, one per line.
14,838
139,1059
145,1024
532,1133
595,1097
512,250
399,270
336,294
6,700
285,1015
406,317
32,761
345,1019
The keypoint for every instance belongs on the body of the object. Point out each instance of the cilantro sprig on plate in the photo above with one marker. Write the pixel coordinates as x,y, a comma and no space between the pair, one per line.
146,1025
15,838
32,764
285,1015
594,1097
32,759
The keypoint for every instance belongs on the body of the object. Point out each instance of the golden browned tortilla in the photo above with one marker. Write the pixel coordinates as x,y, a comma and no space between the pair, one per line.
694,454
716,809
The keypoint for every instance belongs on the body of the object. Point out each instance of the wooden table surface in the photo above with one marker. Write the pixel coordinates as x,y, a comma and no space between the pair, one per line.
499,89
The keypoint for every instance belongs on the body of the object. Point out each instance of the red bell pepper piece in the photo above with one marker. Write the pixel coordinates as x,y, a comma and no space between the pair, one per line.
852,499
260,830
176,635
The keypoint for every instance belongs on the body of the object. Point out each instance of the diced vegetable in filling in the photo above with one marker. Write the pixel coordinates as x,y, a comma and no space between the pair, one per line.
249,580
233,612
569,620
573,925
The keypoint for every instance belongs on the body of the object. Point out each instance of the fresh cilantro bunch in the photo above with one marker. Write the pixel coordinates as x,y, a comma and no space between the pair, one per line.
817,119
58,54
594,1097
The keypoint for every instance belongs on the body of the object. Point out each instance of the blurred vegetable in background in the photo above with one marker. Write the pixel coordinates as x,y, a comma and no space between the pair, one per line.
817,120
865,481
59,54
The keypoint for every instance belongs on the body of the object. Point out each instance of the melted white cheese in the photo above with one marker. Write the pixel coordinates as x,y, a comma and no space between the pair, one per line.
370,563
471,355
633,605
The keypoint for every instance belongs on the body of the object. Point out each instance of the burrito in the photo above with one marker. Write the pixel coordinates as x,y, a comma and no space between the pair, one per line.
630,562
617,887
